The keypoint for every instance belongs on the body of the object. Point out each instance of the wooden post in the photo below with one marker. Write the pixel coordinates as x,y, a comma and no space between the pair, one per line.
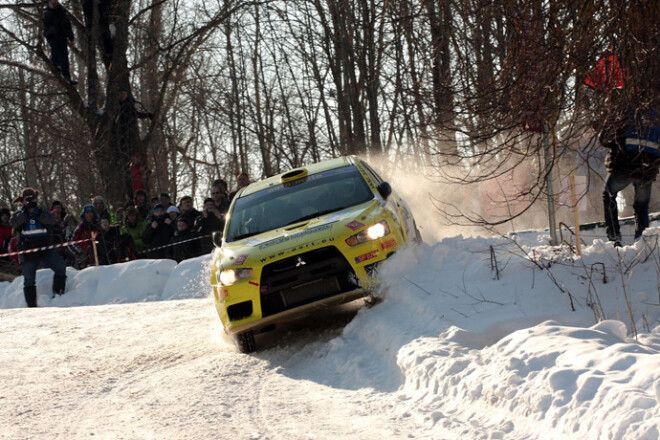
575,214
96,255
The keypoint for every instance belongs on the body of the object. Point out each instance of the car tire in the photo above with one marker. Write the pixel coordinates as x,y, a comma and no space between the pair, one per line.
245,342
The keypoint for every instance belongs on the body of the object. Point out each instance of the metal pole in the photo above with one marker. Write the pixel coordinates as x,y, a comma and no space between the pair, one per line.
550,191
576,215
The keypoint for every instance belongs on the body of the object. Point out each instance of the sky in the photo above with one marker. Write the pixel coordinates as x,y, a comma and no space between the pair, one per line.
474,337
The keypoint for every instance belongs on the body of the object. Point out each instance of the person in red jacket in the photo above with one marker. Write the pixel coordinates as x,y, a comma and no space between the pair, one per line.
5,228
87,230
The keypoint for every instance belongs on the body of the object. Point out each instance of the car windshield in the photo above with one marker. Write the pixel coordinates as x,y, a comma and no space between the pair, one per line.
298,200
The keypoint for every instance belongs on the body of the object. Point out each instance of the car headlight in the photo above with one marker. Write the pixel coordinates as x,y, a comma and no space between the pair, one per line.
373,232
230,276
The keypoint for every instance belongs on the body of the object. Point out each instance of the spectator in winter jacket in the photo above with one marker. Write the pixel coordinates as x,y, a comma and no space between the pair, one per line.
59,34
33,228
165,201
58,205
135,227
114,247
220,196
141,203
70,225
210,221
6,263
184,244
634,158
186,207
101,210
173,214
72,254
5,228
87,230
158,233
242,180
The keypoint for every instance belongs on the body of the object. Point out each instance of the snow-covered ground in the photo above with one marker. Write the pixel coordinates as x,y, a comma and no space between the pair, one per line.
567,348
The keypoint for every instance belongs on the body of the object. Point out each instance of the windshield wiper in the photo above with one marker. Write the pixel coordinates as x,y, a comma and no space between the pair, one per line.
316,214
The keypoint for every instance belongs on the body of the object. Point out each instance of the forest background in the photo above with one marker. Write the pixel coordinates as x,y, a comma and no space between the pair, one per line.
488,97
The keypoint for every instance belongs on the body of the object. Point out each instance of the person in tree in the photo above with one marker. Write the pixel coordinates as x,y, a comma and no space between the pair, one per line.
126,133
59,34
139,175
106,29
33,229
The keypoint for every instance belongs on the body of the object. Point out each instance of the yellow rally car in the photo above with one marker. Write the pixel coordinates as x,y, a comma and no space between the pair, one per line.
303,240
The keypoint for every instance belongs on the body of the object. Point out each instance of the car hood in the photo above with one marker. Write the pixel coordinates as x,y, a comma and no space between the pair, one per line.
295,238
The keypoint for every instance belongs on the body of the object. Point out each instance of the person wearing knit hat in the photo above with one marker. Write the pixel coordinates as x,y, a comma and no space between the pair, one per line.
33,228
101,209
135,226
172,212
86,230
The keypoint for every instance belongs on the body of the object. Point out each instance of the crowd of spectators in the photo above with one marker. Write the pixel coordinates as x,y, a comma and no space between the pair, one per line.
144,228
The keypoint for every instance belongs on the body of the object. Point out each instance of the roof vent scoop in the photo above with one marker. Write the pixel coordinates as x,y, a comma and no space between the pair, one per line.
292,175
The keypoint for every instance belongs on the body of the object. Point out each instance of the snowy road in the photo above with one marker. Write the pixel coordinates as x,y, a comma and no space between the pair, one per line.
450,352
161,370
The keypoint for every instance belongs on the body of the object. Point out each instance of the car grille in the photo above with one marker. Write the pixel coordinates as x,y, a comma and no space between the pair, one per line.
305,278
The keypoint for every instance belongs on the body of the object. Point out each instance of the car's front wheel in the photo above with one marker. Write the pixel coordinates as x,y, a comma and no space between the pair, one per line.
245,342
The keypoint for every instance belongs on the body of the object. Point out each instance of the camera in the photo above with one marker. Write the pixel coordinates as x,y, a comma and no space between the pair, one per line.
29,202
210,211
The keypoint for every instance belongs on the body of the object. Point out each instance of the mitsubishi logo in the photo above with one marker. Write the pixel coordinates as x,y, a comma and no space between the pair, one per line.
300,262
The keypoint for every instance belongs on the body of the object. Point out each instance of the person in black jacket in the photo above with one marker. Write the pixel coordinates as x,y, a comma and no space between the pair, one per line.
185,245
33,228
158,233
59,34
210,221
634,158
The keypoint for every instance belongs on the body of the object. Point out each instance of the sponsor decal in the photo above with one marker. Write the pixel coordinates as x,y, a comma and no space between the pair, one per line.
367,256
354,225
295,236
240,260
253,283
388,244
297,249
224,292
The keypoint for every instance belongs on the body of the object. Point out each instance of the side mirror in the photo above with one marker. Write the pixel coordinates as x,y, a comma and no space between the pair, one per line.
216,238
384,189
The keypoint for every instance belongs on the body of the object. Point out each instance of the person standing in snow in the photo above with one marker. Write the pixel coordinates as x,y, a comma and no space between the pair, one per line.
634,158
87,230
33,229
59,34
